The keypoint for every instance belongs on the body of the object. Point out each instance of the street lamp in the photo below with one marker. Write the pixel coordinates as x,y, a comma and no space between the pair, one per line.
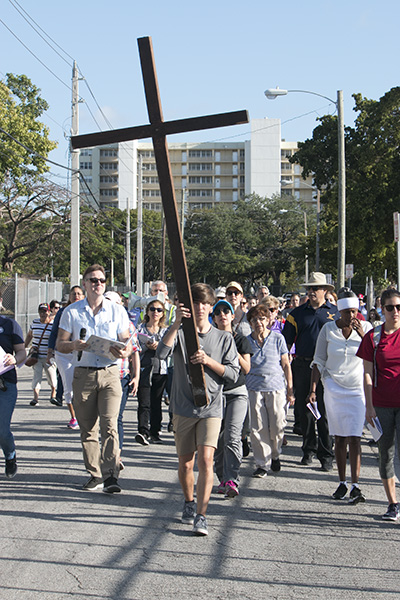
286,210
271,94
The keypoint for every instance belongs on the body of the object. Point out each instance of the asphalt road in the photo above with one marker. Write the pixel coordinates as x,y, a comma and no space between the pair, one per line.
283,537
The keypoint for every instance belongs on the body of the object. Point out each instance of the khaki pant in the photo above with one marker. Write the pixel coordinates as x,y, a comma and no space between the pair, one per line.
268,421
96,400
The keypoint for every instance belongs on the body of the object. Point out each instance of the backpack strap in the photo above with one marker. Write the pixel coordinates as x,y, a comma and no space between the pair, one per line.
375,340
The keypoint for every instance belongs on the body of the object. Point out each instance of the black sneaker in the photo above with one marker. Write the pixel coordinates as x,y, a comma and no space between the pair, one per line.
56,401
275,465
93,483
246,447
34,402
306,460
155,439
356,496
11,467
142,439
392,513
326,465
260,473
111,486
340,492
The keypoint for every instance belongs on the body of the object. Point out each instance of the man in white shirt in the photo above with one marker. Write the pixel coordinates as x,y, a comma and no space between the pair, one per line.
96,385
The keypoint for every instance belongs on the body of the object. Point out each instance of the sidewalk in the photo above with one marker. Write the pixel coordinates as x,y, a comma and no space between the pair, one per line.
283,537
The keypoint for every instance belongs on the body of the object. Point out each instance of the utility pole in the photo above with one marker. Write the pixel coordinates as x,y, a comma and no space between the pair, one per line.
112,259
342,195
128,245
75,219
139,235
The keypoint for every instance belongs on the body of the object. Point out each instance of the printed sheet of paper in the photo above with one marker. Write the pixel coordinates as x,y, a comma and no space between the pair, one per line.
3,368
101,346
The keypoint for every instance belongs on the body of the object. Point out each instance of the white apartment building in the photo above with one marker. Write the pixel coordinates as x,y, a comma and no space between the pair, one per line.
205,174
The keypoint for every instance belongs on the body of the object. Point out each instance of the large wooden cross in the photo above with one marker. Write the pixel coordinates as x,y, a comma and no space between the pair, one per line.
157,130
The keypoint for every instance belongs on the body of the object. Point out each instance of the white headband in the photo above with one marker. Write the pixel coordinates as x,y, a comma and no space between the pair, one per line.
350,302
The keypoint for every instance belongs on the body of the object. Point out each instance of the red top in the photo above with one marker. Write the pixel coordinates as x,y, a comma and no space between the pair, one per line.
387,392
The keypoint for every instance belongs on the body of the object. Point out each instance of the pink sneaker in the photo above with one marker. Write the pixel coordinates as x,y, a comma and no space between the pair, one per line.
231,489
221,488
73,424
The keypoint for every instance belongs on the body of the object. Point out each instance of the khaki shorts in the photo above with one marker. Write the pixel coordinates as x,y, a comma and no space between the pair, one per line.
191,432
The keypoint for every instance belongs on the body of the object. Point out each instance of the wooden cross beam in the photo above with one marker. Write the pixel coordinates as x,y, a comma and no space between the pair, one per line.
157,130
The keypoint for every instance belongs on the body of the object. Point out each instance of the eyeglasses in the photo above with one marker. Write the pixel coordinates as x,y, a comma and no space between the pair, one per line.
315,287
225,310
391,307
233,293
97,280
155,309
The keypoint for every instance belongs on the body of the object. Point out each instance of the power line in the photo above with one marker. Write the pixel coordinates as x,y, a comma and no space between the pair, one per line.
39,34
34,55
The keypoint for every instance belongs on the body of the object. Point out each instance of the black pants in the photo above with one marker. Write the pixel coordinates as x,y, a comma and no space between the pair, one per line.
322,446
149,405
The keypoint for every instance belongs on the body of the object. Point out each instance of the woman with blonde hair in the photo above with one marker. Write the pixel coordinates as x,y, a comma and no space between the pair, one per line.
153,374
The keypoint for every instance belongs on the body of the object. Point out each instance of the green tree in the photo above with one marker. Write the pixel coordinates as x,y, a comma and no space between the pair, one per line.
20,109
372,184
256,240
29,219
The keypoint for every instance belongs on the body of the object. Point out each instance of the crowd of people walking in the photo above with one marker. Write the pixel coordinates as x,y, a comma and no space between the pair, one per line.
260,356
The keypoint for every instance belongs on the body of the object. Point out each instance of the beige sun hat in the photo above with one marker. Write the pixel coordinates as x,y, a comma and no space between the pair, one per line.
318,279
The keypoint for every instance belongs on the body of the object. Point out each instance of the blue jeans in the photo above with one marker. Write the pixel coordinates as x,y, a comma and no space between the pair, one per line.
7,405
229,453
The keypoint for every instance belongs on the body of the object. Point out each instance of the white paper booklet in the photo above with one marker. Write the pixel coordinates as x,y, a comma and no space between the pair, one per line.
376,431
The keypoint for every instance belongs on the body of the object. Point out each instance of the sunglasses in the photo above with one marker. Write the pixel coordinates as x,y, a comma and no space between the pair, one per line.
233,293
272,309
391,307
97,280
315,287
225,310
56,307
155,309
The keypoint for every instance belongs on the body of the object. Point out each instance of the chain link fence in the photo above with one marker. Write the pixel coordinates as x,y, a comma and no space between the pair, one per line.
21,298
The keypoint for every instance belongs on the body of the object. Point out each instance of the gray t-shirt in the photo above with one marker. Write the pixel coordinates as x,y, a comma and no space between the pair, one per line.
220,346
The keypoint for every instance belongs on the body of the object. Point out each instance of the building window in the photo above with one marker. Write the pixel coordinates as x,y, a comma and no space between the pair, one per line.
150,179
85,165
200,166
149,167
200,153
241,154
286,153
206,179
108,179
108,153
152,206
151,193
147,153
286,167
200,193
109,166
112,193
85,152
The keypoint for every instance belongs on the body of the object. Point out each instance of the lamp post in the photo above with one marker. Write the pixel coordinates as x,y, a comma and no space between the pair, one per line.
271,94
286,210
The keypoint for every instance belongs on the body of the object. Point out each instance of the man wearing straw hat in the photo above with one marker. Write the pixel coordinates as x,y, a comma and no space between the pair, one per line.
302,327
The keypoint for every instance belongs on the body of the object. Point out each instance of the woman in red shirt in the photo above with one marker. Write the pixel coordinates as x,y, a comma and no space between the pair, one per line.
381,354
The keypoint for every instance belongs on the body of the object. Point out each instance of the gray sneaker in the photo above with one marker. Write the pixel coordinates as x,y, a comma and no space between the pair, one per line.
188,513
200,525
93,483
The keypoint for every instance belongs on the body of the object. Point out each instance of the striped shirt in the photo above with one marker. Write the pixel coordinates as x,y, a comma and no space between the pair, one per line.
37,329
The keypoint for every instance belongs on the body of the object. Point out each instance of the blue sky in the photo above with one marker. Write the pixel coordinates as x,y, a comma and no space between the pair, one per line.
211,57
